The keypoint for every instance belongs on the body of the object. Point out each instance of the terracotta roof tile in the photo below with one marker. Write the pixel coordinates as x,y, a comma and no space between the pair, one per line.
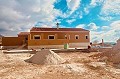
55,29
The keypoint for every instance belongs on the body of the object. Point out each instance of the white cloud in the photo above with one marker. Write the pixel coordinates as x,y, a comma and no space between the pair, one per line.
92,4
94,35
110,33
45,26
70,21
78,14
96,2
80,26
86,10
115,25
73,5
105,18
111,7
92,26
105,28
21,15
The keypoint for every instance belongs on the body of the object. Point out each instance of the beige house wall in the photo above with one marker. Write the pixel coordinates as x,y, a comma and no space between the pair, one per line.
59,40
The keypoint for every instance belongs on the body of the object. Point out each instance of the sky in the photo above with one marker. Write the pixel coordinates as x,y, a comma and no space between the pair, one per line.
101,17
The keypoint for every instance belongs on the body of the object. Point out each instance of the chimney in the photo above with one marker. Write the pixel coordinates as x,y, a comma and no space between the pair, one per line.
102,42
57,25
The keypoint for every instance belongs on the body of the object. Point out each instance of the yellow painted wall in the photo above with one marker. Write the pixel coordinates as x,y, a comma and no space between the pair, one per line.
59,38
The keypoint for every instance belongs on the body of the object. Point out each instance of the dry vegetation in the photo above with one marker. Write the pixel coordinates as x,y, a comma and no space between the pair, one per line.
78,66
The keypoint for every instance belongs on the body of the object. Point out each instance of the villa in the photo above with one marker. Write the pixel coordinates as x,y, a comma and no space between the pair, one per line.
49,38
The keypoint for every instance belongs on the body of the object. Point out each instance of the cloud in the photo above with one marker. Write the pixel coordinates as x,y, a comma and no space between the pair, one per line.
70,21
105,18
110,9
92,26
115,25
105,28
92,4
77,14
87,9
72,5
96,2
109,33
80,26
21,15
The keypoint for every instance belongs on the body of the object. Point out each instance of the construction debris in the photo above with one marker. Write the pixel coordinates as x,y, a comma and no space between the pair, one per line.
113,55
46,57
117,46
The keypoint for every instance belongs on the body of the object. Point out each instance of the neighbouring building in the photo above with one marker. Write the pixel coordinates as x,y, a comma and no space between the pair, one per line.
16,42
1,39
50,38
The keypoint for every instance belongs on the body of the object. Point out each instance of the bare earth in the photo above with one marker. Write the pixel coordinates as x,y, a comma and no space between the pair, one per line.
78,66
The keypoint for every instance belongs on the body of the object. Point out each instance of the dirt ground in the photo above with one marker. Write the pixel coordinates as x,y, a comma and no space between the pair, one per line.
78,66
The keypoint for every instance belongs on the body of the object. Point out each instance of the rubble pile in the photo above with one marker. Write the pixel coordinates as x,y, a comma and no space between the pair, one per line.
112,55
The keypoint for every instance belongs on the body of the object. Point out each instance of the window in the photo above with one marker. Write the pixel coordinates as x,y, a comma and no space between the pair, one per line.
26,38
69,36
65,36
36,36
76,36
51,37
86,36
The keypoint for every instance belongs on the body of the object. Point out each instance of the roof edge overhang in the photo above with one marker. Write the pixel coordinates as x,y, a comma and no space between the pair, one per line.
59,31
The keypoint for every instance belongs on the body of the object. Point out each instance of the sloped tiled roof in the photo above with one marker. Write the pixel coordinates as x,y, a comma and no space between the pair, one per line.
55,29
24,33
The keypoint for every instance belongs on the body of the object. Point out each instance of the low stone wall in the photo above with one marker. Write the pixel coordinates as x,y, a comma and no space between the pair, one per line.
46,47
72,50
73,45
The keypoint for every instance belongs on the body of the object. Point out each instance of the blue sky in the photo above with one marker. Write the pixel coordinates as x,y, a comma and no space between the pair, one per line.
101,17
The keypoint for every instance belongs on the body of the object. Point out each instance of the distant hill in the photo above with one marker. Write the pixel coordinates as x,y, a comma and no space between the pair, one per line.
1,35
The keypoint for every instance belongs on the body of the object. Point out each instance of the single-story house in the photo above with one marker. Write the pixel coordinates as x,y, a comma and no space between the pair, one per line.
49,38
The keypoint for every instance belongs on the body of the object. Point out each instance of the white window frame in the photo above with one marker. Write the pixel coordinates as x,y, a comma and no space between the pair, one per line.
87,36
65,36
69,37
37,35
51,35
76,36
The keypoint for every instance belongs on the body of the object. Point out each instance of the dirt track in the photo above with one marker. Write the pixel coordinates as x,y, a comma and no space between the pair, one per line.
79,66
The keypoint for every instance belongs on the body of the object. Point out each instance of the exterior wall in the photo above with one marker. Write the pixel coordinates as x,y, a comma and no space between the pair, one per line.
24,38
71,45
59,39
12,41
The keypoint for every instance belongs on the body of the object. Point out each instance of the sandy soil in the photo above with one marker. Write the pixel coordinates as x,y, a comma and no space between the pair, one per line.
78,66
